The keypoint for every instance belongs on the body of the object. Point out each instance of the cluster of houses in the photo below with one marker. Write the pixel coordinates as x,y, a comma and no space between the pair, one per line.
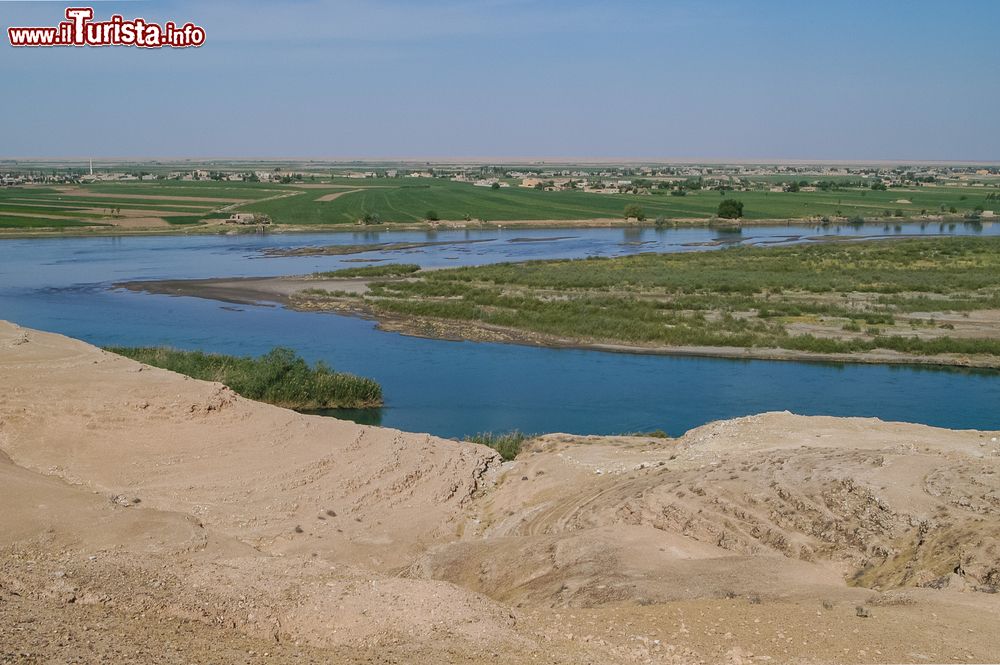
603,179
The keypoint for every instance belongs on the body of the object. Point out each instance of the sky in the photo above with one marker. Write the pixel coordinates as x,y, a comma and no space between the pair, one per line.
899,80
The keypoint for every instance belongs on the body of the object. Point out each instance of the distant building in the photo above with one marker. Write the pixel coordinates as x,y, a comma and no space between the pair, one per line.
246,218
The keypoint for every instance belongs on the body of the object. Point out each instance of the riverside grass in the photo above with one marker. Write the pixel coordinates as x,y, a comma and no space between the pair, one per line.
508,444
851,297
279,377
386,270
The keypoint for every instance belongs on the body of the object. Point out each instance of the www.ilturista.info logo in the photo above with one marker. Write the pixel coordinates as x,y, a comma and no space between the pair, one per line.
79,29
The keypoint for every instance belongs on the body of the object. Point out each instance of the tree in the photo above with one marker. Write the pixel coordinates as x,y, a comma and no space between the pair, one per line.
632,211
431,216
730,209
495,185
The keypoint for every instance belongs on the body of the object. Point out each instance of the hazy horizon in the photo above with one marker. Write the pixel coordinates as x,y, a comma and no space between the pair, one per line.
517,81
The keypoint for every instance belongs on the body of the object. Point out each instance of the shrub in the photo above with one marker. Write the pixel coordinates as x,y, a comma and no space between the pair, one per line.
632,211
508,444
730,209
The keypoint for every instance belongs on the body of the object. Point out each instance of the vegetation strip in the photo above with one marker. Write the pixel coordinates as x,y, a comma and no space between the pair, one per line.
279,377
918,298
386,270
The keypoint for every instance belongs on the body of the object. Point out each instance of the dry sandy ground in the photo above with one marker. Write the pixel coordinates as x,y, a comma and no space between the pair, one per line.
148,517
247,290
336,195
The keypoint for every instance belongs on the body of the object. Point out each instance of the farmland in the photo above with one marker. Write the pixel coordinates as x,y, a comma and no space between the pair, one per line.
403,200
337,202
138,206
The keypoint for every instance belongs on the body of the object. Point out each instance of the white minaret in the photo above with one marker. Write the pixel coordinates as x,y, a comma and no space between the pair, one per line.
91,166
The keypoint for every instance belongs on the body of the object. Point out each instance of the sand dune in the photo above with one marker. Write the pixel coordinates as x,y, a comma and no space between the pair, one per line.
154,518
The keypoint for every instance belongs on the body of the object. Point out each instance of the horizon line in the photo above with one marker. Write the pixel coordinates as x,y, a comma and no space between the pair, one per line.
530,160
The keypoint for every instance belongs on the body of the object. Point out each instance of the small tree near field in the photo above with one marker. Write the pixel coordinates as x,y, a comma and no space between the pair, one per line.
632,211
431,216
731,209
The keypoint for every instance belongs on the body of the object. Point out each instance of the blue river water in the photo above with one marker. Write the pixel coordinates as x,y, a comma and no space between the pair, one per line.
458,388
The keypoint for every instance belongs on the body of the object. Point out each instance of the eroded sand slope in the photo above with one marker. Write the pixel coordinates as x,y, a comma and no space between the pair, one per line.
151,517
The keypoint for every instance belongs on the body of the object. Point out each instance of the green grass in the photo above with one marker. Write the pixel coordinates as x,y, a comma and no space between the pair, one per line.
201,188
386,270
68,211
14,222
739,297
508,444
279,377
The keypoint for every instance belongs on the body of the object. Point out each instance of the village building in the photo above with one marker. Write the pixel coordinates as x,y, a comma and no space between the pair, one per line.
248,218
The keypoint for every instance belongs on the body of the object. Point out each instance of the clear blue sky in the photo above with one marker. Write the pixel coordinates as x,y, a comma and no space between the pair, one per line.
846,80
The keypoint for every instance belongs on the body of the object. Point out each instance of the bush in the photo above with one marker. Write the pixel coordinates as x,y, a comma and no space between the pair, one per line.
632,211
730,209
431,216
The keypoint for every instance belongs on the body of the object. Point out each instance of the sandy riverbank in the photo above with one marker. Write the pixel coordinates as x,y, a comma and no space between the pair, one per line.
153,518
246,290
125,227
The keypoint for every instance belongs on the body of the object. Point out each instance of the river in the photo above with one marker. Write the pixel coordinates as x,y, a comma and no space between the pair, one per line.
453,389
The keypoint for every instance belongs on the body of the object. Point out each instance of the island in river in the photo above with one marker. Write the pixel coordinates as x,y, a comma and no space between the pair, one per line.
916,301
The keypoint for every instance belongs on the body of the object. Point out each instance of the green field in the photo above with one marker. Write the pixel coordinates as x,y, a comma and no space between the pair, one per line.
409,200
49,207
199,188
15,222
908,296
